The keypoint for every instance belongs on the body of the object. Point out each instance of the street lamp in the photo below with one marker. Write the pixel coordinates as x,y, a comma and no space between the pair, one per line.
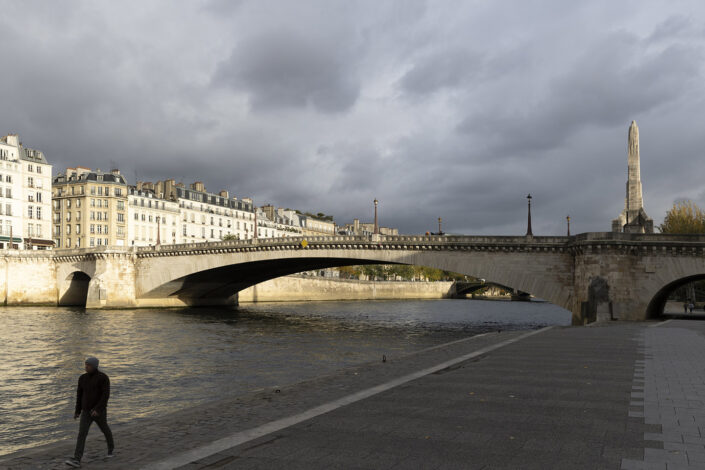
440,231
528,228
567,218
376,221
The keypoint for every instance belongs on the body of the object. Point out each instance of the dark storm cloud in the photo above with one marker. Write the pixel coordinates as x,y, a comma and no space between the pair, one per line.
286,69
437,109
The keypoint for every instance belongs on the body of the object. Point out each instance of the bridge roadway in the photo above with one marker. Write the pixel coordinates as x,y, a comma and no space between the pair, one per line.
594,275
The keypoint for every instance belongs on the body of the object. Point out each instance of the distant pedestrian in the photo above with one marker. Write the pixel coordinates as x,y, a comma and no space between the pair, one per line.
685,307
91,405
691,307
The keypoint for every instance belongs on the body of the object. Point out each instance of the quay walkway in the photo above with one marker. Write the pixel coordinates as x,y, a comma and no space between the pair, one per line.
618,395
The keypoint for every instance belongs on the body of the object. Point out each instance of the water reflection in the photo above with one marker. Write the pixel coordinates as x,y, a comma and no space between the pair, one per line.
163,360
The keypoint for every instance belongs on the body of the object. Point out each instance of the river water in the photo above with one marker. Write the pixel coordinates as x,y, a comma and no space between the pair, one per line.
162,360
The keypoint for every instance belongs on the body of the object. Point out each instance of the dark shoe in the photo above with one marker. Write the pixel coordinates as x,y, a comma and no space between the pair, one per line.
73,463
110,455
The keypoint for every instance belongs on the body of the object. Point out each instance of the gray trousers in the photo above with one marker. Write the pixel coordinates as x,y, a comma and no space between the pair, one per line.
86,420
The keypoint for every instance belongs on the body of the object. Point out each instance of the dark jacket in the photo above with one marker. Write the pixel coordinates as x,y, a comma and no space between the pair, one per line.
93,392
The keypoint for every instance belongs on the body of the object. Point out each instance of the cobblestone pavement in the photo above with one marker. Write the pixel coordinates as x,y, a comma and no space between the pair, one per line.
604,397
154,439
670,392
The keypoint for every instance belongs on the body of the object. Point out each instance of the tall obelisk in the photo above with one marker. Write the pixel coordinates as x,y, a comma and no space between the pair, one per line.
633,219
634,200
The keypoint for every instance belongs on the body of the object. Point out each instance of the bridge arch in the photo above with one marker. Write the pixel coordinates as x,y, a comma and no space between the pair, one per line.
75,289
657,304
208,278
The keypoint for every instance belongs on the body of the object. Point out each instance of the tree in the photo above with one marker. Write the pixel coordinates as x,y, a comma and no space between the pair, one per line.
684,217
230,236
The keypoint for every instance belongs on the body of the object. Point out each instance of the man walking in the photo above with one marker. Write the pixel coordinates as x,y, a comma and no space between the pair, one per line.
91,405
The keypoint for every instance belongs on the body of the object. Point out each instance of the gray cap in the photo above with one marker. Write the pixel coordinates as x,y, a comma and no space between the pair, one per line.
93,361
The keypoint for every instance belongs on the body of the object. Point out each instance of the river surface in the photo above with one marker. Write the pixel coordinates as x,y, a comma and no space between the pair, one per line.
163,360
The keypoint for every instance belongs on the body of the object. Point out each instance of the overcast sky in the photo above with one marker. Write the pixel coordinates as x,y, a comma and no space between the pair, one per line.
438,108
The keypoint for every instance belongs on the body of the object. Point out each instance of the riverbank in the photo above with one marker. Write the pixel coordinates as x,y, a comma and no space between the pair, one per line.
574,398
305,288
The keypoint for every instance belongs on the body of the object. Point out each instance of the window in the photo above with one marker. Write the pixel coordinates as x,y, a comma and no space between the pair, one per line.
39,230
30,212
39,169
8,193
39,196
92,228
120,232
30,181
92,202
105,230
30,168
39,213
100,190
183,230
30,197
107,193
78,203
92,215
78,229
93,194
118,192
151,218
8,179
68,203
68,229
121,205
137,216
92,241
99,215
100,228
30,230
99,241
57,230
143,217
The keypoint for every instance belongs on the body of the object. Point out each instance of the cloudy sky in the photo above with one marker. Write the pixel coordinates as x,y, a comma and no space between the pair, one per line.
436,108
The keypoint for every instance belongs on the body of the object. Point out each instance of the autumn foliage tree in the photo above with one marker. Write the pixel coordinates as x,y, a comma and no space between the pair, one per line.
684,217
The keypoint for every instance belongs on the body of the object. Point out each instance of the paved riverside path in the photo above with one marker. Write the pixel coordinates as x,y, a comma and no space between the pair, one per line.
565,398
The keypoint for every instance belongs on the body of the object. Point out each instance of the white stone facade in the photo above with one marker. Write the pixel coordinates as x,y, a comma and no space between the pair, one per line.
147,214
25,196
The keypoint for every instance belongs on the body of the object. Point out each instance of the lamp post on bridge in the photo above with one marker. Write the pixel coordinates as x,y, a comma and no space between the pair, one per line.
529,233
440,230
567,218
376,230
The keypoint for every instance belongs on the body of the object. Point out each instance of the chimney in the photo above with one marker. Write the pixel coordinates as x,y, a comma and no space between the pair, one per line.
12,139
356,225
115,171
198,186
139,186
224,194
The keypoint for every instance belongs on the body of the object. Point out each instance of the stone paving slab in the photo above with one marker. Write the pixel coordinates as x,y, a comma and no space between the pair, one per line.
157,438
673,372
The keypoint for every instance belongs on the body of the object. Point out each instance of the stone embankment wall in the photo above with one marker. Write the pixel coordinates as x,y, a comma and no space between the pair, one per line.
300,288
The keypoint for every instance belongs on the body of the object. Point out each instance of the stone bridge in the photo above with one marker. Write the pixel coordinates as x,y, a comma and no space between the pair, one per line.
594,275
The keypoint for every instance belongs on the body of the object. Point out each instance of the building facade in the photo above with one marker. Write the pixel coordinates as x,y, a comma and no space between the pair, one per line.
89,208
317,226
365,228
25,196
151,220
205,216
